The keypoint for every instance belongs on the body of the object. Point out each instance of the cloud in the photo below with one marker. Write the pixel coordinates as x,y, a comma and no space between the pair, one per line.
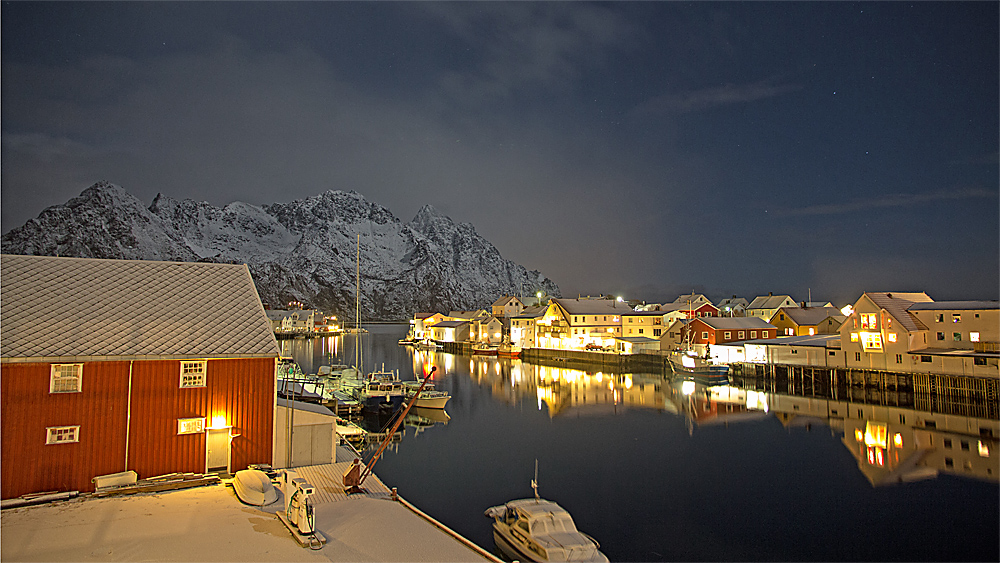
887,201
707,98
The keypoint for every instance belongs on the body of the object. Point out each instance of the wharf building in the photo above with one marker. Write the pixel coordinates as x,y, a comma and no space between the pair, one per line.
117,366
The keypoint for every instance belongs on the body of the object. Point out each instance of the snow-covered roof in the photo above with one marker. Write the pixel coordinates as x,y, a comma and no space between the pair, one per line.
505,300
738,323
450,324
954,306
129,309
812,315
593,306
770,301
897,304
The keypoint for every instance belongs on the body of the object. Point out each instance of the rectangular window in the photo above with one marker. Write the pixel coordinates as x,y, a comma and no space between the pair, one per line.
973,337
742,334
65,378
899,358
925,359
62,434
656,331
753,334
704,335
956,336
948,462
857,356
193,374
831,353
940,336
869,320
854,337
979,361
640,331
728,335
956,317
939,318
947,443
891,337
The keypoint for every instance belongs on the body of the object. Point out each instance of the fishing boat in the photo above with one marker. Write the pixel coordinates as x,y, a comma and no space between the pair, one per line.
381,390
508,350
536,529
483,349
702,370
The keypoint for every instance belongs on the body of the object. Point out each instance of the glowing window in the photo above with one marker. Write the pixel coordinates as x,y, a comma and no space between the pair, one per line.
812,331
871,341
869,321
854,337
65,378
897,439
62,434
956,317
193,374
974,336
875,434
891,337
984,450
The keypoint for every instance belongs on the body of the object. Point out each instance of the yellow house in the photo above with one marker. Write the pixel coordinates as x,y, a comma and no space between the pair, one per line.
573,324
642,323
807,321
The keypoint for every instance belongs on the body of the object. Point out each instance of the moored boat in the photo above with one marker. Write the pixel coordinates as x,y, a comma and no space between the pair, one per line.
429,398
535,529
427,344
483,349
508,350
700,369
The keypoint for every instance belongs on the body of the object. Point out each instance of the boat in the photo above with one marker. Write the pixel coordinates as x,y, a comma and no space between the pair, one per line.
508,350
381,390
350,431
702,370
406,342
429,398
483,349
427,344
254,487
535,529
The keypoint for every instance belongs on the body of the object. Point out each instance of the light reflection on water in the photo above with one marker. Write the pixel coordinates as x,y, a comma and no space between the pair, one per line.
658,470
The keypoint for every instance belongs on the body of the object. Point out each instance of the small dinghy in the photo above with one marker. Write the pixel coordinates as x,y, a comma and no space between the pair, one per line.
254,487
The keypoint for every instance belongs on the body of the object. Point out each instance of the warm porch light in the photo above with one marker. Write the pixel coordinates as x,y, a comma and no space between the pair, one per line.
219,421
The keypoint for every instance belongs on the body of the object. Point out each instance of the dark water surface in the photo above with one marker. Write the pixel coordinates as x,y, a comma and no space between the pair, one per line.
645,468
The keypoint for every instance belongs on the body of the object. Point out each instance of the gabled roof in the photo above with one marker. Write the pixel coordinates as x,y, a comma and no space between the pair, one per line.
424,315
769,301
812,315
898,303
532,312
733,302
737,323
954,306
450,324
129,309
505,300
593,306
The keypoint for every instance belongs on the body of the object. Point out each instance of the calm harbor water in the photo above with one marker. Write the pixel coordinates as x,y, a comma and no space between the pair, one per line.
645,468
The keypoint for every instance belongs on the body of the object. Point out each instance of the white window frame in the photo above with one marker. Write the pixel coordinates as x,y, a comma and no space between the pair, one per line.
56,378
188,364
53,433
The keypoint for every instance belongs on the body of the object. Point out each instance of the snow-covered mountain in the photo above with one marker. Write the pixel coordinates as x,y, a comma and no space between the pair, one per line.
304,250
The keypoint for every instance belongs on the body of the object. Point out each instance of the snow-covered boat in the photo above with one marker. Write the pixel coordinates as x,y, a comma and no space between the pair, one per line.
535,529
254,487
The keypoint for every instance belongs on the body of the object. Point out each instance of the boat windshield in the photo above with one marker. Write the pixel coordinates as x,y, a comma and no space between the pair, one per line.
553,523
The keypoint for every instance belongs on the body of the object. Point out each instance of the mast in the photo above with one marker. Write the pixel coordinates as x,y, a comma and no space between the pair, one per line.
358,356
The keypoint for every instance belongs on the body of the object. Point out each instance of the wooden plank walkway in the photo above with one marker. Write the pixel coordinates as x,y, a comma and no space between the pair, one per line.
328,480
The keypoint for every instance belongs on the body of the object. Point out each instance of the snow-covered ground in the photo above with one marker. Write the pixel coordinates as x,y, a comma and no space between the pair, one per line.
211,524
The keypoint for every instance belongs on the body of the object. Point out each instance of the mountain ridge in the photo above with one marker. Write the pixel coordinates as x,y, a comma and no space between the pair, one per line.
303,250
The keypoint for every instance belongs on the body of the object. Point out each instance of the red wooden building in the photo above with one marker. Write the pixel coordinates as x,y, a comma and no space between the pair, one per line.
720,330
115,365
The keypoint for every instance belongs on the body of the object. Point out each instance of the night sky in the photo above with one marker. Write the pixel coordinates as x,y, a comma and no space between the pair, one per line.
640,149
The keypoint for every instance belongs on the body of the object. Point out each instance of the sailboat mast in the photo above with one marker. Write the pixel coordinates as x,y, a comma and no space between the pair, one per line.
358,356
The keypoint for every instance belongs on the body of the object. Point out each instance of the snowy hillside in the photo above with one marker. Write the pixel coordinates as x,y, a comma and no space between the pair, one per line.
302,250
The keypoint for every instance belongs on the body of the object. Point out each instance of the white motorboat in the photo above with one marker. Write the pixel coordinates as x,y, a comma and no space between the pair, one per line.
427,344
429,398
535,529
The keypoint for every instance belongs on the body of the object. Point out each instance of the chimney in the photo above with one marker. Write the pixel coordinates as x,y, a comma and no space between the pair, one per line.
769,294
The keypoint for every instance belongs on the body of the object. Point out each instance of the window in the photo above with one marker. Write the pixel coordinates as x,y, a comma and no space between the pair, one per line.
812,331
869,321
948,462
656,331
574,319
940,336
640,331
630,320
193,374
753,334
979,361
899,358
947,443
62,434
925,359
956,336
888,322
902,419
729,335
891,337
704,335
973,337
781,317
742,334
857,356
831,353
65,378
794,351
965,445
854,337
956,317
939,318
790,331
